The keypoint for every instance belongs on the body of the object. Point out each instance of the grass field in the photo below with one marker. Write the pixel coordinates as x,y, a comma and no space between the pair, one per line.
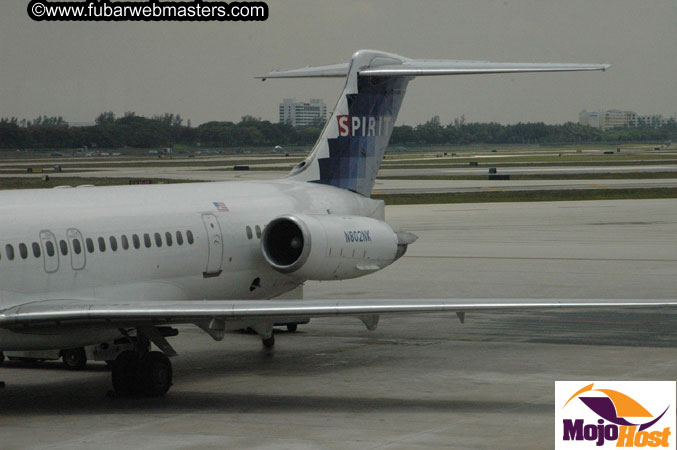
540,158
483,163
180,162
527,196
545,176
38,183
530,148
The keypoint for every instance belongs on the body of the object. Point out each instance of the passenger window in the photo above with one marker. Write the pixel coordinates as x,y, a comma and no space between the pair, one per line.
189,237
88,242
77,247
249,232
135,239
64,247
146,240
258,231
9,249
23,250
124,242
113,243
158,240
36,250
102,244
179,238
50,248
168,238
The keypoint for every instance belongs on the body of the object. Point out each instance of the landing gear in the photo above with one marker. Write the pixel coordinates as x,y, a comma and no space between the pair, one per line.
265,331
268,342
155,374
124,372
2,358
74,358
149,374
292,327
140,371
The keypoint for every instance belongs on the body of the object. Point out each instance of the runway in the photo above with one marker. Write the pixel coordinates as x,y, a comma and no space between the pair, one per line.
418,382
396,186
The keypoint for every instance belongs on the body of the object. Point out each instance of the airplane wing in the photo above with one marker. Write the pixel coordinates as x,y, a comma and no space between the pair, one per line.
60,313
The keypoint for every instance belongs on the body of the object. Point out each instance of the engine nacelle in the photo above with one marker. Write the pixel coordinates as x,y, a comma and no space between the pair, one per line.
328,247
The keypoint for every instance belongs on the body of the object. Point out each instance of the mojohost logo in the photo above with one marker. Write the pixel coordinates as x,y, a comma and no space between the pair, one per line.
628,414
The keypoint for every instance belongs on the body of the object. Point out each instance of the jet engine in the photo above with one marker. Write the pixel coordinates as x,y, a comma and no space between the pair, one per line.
328,247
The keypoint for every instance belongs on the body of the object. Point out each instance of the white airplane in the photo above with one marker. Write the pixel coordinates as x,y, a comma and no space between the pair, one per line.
82,266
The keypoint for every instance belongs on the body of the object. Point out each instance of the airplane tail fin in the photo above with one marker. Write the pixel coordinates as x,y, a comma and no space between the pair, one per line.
350,149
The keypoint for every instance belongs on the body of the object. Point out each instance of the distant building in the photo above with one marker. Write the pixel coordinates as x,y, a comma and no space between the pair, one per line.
591,119
615,118
299,114
653,121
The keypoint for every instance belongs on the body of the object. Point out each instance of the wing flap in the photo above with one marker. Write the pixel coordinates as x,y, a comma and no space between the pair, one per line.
80,312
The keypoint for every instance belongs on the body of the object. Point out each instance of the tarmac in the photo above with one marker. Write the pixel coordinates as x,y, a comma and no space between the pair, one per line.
277,166
417,382
399,186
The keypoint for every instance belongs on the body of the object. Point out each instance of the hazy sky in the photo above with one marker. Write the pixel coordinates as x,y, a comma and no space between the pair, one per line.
204,71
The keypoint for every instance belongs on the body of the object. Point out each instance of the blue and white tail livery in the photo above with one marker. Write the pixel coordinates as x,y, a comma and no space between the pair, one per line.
350,150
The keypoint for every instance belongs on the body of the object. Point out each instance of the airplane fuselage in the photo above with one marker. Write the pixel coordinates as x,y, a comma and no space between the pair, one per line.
195,241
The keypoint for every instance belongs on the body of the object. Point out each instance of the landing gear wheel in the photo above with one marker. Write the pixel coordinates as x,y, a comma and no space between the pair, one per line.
155,374
292,327
269,342
124,372
150,374
2,358
74,358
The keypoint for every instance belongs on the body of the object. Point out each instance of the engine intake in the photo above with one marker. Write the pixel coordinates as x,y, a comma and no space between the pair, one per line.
286,243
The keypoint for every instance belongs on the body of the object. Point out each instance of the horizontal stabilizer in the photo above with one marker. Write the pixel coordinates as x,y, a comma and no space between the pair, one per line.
332,71
424,67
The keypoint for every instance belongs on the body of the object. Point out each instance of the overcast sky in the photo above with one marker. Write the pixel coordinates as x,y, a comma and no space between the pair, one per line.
204,71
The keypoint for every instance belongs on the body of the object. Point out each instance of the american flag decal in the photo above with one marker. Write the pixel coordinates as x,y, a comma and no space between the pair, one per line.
220,206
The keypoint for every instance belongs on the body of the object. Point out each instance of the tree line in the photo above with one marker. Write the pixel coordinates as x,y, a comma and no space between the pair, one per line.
131,130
